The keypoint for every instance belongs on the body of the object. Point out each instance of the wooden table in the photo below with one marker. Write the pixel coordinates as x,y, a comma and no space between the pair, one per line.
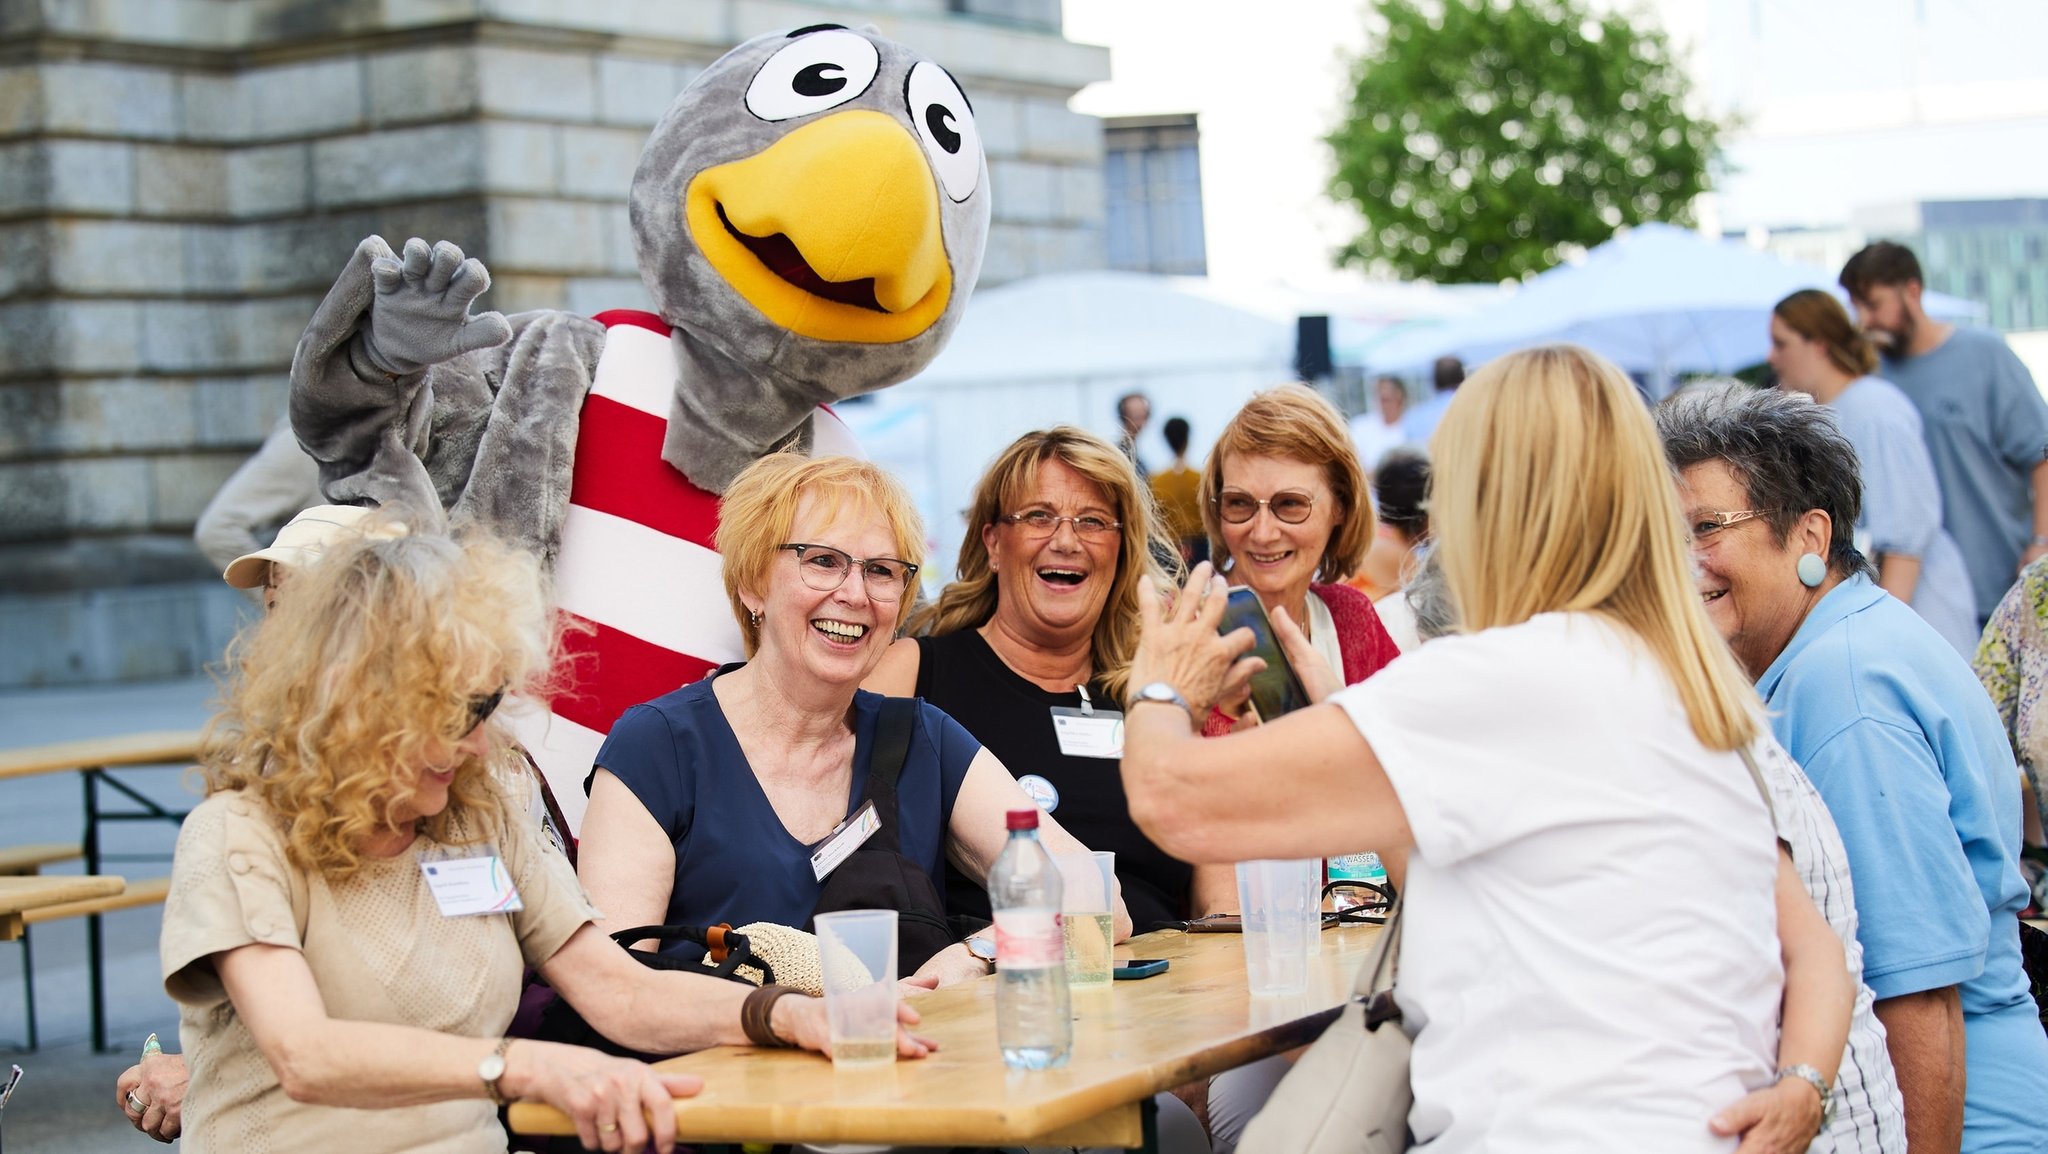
1131,1041
158,748
29,893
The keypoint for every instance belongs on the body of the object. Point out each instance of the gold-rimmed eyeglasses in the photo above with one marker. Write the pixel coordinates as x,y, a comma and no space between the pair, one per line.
1701,527
1290,505
1045,522
824,568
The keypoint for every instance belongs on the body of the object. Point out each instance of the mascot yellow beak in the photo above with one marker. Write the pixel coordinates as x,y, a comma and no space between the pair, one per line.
833,231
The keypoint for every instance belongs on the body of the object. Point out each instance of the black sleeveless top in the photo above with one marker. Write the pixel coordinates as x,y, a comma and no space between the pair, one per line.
1012,719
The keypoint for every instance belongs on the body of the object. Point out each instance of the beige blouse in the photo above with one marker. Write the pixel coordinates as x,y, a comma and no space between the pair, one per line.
380,950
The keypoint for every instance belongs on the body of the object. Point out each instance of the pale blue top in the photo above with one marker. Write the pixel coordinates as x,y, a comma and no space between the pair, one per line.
1903,744
1902,504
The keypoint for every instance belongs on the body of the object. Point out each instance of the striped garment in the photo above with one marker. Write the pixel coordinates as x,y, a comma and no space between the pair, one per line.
1869,1114
636,564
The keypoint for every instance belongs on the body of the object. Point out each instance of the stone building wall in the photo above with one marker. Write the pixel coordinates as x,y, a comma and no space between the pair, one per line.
181,179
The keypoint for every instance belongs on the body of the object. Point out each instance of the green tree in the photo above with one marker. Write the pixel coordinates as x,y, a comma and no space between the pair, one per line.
1483,137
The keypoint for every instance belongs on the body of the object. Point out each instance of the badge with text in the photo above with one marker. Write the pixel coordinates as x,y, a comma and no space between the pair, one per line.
845,837
1042,793
466,886
1089,733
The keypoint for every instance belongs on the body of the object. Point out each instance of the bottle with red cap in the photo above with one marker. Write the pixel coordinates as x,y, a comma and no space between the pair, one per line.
1033,1024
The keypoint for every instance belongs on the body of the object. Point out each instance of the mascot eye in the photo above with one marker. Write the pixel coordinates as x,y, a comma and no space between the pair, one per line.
813,73
945,126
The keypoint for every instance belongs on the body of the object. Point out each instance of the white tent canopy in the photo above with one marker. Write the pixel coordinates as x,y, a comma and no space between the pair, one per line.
1658,300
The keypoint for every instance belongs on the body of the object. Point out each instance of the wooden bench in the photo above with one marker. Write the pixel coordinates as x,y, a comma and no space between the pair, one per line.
149,892
18,860
91,759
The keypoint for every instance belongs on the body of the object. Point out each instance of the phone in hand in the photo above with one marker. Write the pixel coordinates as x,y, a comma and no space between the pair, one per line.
1275,689
1134,970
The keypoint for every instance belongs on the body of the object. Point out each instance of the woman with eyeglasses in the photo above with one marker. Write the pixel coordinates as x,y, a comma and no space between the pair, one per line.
353,906
1029,649
707,803
1286,506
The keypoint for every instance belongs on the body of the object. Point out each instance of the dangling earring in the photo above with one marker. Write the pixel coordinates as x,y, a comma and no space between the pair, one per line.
1812,570
754,618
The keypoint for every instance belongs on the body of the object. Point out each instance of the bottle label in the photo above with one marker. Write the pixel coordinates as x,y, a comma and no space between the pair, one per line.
1029,939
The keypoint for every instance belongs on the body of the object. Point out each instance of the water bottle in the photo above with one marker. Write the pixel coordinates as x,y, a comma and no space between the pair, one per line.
1357,867
1033,1024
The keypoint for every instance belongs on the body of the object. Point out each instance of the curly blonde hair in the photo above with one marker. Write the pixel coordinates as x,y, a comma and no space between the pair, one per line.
970,601
366,670
1293,422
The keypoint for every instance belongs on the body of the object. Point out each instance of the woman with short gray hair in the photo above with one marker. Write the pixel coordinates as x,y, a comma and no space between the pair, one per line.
1900,740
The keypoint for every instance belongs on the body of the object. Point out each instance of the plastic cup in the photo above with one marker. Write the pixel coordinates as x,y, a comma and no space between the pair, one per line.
1273,898
1086,882
857,952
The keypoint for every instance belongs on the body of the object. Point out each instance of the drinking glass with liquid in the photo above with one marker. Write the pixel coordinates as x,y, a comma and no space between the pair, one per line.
1088,886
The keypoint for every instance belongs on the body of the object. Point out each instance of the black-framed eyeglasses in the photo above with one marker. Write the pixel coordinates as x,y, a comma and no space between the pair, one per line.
480,708
1290,505
1045,522
1701,527
824,568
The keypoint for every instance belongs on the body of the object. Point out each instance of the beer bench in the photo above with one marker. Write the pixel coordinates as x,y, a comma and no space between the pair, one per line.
93,760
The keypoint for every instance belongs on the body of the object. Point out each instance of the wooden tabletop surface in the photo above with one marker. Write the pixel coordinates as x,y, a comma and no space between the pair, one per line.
162,747
1132,1040
29,893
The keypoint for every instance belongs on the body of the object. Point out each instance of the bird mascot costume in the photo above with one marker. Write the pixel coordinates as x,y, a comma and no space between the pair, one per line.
809,218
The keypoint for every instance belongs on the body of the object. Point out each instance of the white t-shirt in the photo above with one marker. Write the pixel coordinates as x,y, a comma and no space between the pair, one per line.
1590,957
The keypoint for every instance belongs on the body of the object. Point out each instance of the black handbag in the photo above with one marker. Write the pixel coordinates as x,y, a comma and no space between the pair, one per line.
725,947
877,876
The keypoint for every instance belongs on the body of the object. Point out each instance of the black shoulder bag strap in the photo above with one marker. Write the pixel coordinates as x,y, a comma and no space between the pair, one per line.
893,723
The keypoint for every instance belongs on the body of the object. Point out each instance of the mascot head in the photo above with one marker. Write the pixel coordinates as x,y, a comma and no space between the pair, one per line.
811,212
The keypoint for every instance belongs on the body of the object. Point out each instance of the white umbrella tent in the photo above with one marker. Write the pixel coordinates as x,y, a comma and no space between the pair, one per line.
1658,300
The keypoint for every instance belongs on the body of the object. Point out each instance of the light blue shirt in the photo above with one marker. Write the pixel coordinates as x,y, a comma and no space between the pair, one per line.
1902,505
1419,422
1903,744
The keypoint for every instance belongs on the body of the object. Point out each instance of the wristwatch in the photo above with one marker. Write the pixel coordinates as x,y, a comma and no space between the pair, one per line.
492,1068
1163,693
1811,1077
984,947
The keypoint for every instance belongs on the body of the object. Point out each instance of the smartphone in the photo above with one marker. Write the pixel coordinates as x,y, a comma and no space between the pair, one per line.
1275,689
1132,971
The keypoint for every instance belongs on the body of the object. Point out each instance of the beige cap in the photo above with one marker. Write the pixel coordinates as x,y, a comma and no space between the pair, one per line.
302,540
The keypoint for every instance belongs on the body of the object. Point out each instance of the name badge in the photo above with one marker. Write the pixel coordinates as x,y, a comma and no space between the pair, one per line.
466,886
1090,733
847,836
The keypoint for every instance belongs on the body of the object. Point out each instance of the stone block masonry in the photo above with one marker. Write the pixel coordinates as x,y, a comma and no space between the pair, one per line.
181,179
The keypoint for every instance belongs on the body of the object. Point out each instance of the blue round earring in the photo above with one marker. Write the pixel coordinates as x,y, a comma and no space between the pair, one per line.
1812,570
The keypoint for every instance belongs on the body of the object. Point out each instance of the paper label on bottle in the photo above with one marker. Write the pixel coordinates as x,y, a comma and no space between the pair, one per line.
1029,939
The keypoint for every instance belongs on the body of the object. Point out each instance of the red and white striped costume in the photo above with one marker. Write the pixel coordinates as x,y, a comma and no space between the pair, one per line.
636,561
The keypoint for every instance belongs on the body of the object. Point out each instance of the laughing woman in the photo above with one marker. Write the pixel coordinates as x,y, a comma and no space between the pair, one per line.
707,803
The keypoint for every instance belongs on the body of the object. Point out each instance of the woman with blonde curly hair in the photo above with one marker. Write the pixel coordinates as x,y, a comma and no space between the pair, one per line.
1042,623
353,904
1287,510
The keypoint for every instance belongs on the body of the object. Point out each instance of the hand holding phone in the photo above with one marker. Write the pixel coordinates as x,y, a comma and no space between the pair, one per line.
1276,690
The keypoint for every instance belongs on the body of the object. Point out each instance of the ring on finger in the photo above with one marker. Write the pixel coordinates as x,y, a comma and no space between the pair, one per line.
136,1104
607,1127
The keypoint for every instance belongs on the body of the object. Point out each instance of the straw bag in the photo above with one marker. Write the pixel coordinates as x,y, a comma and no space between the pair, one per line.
1349,1092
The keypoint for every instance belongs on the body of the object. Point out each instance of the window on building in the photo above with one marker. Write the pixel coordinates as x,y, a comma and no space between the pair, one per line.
1152,180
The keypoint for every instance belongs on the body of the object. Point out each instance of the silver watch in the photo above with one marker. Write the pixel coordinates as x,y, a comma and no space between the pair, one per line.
1811,1077
983,947
1163,693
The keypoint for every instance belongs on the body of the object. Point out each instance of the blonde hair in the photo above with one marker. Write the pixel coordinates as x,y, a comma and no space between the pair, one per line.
364,672
970,601
1295,423
758,512
1551,493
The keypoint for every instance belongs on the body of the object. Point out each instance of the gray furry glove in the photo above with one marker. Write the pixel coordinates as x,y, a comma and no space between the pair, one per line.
419,313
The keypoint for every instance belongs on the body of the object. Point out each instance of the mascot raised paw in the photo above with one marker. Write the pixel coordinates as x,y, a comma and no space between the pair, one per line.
809,217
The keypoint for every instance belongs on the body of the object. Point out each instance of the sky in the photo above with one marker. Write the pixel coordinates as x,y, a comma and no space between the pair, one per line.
1848,106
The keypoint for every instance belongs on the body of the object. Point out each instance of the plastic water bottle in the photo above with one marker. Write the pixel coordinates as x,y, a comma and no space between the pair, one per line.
1357,867
1033,1024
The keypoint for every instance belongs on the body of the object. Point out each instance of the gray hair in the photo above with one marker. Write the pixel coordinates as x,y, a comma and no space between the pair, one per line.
1429,597
1785,449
